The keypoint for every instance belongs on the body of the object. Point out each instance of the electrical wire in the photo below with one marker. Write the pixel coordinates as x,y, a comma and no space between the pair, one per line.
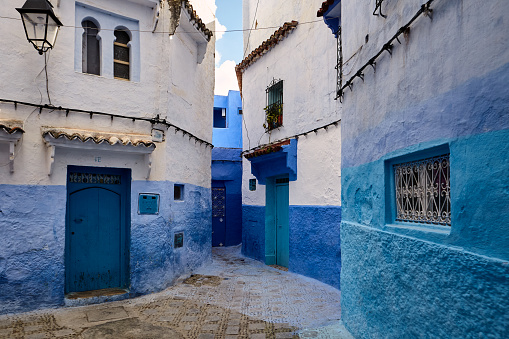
387,47
46,71
252,25
194,32
153,121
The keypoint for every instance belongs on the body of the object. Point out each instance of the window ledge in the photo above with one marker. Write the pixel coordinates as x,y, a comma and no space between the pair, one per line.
423,231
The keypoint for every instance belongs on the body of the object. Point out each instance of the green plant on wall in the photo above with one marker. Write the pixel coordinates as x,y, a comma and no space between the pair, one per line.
273,116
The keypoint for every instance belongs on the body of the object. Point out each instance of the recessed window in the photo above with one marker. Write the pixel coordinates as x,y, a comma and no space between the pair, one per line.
91,59
422,191
219,117
121,54
178,240
274,108
178,192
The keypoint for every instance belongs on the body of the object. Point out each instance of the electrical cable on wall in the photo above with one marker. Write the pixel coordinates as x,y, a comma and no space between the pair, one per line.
387,47
153,121
296,136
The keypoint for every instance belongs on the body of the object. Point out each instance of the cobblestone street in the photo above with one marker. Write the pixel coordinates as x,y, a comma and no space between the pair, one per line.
234,297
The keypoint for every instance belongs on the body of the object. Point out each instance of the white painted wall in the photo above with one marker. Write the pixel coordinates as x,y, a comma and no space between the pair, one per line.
172,84
434,60
305,60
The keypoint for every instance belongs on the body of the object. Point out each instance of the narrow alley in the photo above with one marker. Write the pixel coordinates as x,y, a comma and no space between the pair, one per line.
234,297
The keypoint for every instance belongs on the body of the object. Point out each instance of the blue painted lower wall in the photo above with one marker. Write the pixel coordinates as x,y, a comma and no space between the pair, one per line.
253,232
32,235
314,240
32,242
444,282
315,249
395,286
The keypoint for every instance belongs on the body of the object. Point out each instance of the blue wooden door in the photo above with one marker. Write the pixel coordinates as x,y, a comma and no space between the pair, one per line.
218,216
282,222
96,232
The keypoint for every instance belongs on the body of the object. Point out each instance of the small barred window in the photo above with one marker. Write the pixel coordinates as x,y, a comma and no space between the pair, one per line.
423,191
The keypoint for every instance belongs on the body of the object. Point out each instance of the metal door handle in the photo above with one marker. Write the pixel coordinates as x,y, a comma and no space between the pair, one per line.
78,220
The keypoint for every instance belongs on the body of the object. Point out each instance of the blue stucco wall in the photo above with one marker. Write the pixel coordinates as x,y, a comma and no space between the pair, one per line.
314,240
315,249
227,169
32,235
456,278
253,232
32,242
231,136
396,286
155,265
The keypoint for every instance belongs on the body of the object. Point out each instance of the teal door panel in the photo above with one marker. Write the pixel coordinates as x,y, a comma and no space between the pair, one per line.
95,239
97,231
282,225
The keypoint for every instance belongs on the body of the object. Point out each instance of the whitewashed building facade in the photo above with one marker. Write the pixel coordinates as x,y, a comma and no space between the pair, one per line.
105,171
292,158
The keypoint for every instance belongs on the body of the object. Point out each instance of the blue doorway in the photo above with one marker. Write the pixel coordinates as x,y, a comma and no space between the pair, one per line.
97,228
277,235
218,214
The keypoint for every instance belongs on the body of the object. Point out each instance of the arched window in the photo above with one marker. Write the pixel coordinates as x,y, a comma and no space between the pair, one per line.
121,54
91,48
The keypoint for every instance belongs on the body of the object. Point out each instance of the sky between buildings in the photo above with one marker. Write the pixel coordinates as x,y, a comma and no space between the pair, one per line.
228,44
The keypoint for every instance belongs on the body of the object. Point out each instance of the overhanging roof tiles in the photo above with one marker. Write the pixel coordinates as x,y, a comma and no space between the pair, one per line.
98,137
281,33
324,8
11,126
197,21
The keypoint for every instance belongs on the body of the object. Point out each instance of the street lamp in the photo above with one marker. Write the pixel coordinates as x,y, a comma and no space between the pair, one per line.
41,24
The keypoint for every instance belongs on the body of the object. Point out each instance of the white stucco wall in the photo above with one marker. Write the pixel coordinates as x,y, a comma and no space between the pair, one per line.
305,61
434,61
171,84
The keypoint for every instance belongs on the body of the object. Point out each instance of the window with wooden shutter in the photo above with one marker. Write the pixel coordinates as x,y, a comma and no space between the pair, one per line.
121,68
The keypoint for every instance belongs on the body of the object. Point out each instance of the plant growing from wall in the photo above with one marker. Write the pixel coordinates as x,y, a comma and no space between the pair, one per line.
273,116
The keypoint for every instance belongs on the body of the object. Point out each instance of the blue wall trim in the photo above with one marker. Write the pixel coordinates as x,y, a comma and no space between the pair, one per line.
396,286
314,240
276,163
477,106
33,237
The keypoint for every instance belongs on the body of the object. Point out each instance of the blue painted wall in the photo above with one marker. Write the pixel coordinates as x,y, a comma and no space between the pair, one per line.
231,136
456,278
32,270
314,240
227,169
227,163
253,232
315,249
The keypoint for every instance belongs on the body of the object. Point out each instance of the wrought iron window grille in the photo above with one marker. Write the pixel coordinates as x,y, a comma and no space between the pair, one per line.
339,64
274,107
423,191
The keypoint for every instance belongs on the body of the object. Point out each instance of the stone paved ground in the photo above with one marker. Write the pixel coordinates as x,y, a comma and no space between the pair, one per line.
234,297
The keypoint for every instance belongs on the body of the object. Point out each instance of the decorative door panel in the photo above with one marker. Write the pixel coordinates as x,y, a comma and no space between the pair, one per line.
218,216
97,228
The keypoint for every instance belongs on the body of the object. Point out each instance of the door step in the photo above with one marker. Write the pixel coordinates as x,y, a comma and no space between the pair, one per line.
95,296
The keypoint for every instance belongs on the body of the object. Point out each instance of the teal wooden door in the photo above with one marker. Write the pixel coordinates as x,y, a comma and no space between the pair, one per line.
282,223
96,231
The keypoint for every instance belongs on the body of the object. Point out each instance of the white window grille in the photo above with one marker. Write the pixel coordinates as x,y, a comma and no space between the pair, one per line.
423,191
